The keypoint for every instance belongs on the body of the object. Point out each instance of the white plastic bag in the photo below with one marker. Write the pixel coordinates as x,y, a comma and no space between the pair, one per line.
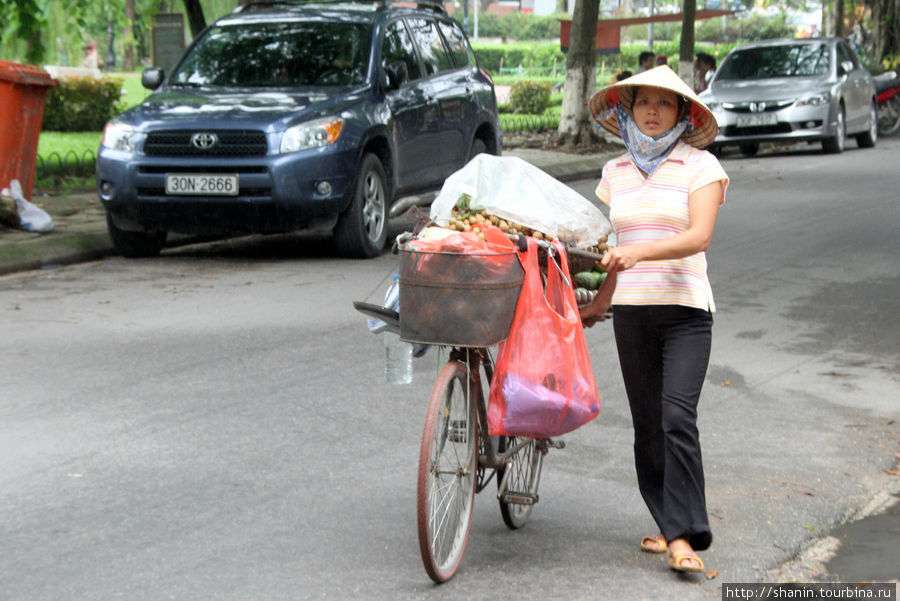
32,218
513,189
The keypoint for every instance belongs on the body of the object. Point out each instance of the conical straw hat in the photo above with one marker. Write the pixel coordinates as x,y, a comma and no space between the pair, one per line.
704,123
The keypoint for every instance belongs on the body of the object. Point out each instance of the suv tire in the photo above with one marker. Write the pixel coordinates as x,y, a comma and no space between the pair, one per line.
478,147
133,245
361,230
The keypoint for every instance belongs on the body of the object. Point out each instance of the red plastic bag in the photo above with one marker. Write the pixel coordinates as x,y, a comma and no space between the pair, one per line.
543,382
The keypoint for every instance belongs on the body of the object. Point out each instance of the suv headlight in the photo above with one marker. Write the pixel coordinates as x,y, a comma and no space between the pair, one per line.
311,134
815,100
118,136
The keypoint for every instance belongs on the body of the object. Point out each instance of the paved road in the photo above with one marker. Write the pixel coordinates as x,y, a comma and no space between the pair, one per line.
214,424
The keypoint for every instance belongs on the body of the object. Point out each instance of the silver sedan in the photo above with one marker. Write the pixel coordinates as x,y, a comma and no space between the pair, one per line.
811,90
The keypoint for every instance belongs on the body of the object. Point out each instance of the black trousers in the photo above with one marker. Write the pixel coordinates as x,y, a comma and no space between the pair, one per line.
664,354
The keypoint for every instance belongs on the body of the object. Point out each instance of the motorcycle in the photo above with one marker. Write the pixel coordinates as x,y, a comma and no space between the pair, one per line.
887,90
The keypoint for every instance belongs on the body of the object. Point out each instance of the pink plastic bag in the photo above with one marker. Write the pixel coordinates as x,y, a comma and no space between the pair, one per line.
543,382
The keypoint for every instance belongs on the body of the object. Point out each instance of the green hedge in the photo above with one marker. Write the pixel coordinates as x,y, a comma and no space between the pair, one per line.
82,104
531,97
518,26
528,56
545,62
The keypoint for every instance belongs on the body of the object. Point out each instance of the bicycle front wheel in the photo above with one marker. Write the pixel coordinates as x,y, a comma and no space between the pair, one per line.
448,466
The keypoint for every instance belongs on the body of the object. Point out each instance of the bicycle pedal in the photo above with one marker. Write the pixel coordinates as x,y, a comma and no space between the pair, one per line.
458,431
519,498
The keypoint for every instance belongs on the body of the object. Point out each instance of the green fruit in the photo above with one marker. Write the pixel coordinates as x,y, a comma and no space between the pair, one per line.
590,280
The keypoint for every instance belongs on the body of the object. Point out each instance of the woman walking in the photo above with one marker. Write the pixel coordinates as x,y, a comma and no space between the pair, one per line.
664,196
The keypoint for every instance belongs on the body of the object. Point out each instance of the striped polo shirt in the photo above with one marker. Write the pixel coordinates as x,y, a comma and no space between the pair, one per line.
643,210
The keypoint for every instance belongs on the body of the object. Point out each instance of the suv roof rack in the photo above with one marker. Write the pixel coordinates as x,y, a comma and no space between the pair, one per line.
434,5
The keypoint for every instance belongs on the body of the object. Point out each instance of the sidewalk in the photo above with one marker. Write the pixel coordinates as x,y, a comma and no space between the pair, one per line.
79,221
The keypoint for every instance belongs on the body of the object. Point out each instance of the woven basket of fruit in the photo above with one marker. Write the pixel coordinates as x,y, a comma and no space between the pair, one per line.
458,299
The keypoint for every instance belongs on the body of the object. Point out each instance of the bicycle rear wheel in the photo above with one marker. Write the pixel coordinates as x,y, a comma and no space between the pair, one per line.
448,465
519,494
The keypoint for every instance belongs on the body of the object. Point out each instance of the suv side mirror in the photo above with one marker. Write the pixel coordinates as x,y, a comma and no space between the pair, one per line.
845,68
152,78
397,74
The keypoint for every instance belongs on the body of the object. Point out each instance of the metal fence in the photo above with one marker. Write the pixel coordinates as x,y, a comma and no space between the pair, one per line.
69,164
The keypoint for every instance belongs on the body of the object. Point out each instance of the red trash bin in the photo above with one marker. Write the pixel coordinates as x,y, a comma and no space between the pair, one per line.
22,90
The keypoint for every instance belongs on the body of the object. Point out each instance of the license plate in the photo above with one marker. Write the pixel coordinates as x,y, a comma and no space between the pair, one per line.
756,119
201,184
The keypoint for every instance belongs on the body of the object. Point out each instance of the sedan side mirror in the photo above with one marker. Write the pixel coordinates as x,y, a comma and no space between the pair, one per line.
845,68
152,78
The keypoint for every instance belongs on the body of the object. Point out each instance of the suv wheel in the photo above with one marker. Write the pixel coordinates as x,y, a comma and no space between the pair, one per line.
361,230
135,244
478,147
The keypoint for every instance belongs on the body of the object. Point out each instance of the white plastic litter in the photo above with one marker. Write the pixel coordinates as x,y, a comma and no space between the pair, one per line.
513,189
32,218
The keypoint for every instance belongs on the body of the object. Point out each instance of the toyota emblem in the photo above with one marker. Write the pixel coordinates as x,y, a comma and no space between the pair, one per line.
204,140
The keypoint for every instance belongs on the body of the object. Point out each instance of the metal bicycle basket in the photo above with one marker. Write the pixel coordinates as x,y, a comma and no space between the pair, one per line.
458,299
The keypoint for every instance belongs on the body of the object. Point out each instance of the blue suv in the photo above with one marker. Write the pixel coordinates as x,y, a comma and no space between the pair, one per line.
285,116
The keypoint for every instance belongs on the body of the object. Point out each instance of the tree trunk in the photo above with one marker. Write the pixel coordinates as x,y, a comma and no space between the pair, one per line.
686,50
885,28
196,20
576,128
128,37
839,18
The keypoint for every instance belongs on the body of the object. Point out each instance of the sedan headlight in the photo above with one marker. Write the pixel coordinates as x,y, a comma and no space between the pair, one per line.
815,100
118,136
312,134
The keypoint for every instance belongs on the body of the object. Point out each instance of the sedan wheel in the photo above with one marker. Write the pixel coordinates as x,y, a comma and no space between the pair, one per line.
749,149
835,144
868,138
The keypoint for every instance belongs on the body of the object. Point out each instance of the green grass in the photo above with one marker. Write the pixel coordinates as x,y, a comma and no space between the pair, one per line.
68,143
134,92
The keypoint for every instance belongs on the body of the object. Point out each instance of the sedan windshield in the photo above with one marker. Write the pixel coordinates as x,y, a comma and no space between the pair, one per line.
797,60
278,55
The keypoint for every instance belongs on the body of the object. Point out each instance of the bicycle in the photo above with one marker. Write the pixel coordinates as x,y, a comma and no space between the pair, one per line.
458,457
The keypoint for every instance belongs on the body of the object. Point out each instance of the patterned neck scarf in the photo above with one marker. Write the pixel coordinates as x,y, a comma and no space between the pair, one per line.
647,151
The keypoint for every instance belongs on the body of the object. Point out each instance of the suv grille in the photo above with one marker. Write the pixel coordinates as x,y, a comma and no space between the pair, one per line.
230,143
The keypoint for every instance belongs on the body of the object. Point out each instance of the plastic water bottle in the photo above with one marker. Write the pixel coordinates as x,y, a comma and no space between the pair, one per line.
397,359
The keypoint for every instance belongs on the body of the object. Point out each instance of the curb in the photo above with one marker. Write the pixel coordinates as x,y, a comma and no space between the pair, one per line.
53,249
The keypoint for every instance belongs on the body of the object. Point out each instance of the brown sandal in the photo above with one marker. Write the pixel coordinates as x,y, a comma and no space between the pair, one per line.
654,544
677,558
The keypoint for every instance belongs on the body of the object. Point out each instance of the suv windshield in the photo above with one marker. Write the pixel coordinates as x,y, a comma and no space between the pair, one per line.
798,60
279,54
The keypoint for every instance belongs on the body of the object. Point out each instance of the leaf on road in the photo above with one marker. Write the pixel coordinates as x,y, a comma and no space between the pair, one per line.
710,574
